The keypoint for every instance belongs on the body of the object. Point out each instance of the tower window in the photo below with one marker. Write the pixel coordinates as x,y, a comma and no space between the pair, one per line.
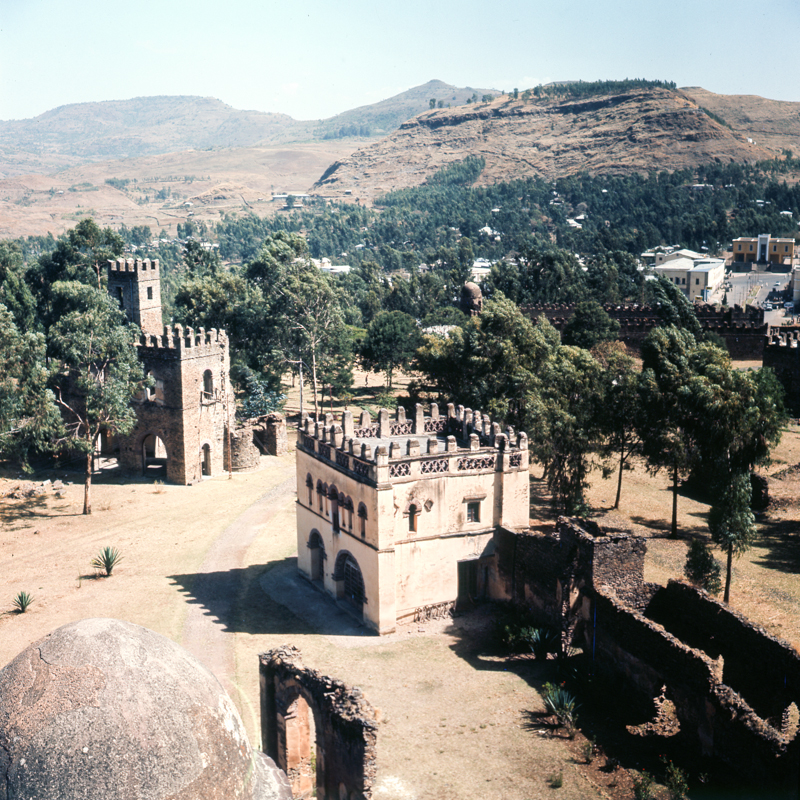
149,292
413,512
474,512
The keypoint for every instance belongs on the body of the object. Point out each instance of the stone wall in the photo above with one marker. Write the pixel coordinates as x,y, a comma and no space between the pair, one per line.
732,683
743,329
299,704
782,354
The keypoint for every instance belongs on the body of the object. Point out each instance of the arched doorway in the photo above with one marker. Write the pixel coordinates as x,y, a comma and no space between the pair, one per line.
349,580
205,460
303,762
317,548
154,456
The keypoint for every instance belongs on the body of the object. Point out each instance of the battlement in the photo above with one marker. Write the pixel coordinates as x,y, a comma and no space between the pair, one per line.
464,440
141,268
180,342
784,337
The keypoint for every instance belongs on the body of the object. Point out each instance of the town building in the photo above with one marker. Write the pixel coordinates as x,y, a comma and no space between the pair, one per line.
763,249
697,276
396,518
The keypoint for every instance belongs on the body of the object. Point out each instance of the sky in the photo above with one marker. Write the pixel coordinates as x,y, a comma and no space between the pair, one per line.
312,59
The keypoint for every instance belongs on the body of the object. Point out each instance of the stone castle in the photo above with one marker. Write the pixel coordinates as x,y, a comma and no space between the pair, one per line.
186,427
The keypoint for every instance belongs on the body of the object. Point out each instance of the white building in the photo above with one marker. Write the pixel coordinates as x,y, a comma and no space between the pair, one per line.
698,277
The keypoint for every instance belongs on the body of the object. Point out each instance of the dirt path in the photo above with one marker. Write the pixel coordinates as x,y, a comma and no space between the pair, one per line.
205,635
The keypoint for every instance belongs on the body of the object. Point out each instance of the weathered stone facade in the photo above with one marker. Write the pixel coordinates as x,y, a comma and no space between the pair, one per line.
320,732
731,682
184,419
396,517
782,354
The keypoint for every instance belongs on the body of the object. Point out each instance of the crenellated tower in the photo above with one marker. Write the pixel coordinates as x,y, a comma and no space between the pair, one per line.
136,285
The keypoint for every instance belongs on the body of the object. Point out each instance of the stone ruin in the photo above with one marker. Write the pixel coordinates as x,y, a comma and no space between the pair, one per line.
319,731
734,687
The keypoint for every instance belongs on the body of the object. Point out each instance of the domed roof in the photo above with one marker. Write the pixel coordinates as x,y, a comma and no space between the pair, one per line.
106,709
472,290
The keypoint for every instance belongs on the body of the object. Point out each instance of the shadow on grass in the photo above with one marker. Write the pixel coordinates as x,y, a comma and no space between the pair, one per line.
779,544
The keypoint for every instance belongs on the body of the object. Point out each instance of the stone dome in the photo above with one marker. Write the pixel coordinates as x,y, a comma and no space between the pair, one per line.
106,709
471,298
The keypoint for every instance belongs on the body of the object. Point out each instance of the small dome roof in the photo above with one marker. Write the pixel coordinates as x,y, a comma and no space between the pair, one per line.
102,708
472,289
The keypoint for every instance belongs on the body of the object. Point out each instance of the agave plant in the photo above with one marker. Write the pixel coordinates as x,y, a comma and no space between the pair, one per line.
22,601
107,559
560,703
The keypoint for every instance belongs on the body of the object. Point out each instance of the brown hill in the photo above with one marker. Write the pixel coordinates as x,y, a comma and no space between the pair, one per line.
637,131
775,124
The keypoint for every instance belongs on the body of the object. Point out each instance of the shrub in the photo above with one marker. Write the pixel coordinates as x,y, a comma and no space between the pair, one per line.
562,704
107,559
701,568
643,786
556,780
542,641
22,601
589,750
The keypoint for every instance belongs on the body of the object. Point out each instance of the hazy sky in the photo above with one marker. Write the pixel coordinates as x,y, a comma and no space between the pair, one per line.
315,58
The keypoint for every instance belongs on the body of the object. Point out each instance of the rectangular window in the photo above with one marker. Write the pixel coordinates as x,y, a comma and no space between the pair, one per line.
697,281
474,512
149,292
740,247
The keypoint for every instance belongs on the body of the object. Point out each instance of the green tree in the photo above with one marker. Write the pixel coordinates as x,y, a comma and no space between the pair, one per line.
701,568
567,409
621,409
94,371
669,421
391,342
732,523
29,417
589,325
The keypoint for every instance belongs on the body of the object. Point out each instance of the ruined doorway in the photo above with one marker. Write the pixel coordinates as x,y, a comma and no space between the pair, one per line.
205,460
317,549
467,583
304,764
154,456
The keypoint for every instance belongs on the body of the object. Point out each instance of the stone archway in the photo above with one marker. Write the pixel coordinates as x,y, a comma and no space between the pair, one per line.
205,460
349,581
303,760
154,455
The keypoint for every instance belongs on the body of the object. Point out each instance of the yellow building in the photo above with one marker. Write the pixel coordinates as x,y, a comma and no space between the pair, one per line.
763,249
396,517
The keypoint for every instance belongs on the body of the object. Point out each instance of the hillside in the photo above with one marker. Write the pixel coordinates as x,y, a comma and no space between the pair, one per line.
636,131
772,123
144,126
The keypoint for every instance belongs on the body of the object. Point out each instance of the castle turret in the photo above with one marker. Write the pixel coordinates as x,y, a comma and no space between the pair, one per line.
136,285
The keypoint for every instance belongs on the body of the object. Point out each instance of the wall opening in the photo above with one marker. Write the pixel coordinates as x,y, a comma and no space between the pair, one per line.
333,496
205,460
467,583
303,766
208,384
317,548
154,456
413,513
349,580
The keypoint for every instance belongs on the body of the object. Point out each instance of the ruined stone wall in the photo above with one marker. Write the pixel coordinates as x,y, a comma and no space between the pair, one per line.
275,438
730,681
344,723
782,354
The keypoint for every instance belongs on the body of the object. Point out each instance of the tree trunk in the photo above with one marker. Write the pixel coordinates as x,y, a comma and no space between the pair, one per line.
674,531
726,598
87,486
619,479
314,384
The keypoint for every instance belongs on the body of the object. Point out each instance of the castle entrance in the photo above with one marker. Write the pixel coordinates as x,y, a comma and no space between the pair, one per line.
154,456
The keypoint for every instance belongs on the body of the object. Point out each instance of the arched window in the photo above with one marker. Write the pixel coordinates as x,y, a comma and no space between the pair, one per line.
317,548
362,514
413,511
333,496
208,384
205,460
320,494
310,486
347,517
